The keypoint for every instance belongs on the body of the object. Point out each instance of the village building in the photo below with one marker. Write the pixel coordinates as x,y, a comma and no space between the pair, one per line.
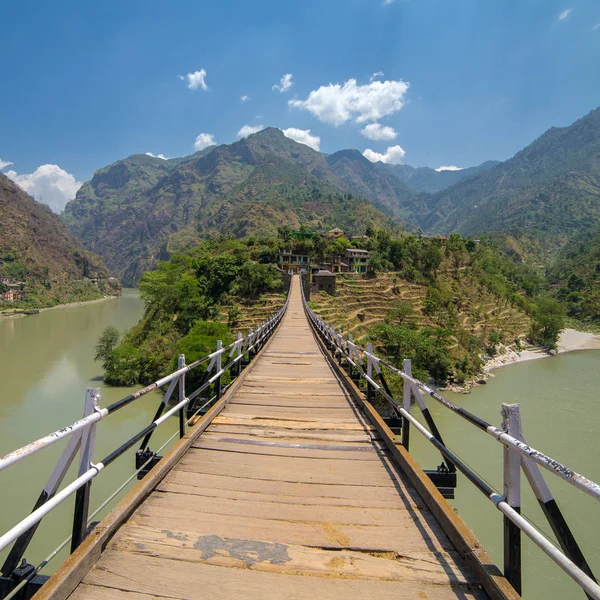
294,263
11,295
358,260
338,265
335,233
324,281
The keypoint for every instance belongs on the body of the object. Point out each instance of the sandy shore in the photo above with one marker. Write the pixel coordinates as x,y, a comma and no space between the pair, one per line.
17,315
570,340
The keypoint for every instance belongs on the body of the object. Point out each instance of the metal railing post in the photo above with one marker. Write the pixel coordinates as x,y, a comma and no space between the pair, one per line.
86,454
239,354
406,368
180,365
218,368
369,373
512,494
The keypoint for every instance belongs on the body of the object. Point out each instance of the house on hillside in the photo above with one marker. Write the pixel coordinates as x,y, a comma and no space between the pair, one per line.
358,260
293,263
11,295
335,233
324,281
337,264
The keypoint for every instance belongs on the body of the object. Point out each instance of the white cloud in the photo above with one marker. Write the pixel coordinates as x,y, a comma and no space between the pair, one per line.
393,155
596,26
387,2
376,75
449,168
4,163
247,130
204,140
285,83
157,155
303,136
375,131
337,104
564,14
195,79
48,184
245,98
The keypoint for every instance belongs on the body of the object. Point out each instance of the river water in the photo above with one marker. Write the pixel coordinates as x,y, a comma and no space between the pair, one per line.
46,363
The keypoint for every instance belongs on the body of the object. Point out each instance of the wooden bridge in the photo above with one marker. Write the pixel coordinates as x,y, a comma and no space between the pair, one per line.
292,486
290,492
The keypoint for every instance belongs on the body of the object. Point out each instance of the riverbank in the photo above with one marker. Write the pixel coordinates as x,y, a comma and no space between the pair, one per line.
570,340
24,312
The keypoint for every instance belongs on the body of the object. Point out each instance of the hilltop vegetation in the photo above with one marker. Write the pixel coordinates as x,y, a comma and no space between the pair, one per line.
37,251
442,303
191,300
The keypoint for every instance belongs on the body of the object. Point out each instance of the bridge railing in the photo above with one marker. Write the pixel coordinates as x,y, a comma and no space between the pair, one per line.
363,365
230,359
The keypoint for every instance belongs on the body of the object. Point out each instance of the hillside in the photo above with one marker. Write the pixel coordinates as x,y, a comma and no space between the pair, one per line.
448,305
426,179
254,185
377,183
37,250
549,190
574,277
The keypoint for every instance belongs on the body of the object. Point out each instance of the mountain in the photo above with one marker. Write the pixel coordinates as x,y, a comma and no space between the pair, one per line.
550,190
37,249
426,179
134,212
378,184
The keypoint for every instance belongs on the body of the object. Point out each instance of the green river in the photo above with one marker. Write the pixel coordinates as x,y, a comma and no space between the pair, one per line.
46,363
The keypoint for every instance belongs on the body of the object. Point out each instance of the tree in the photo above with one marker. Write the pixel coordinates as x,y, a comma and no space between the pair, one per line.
106,344
548,322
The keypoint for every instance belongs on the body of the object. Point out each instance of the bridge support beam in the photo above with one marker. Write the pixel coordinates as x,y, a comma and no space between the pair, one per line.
511,422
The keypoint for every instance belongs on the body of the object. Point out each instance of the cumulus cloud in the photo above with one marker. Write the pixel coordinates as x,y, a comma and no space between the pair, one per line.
337,104
48,184
375,131
392,156
564,14
157,155
245,98
204,140
247,130
303,136
449,168
195,80
4,164
285,83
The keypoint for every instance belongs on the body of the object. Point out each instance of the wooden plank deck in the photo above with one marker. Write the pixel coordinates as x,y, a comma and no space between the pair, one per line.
289,493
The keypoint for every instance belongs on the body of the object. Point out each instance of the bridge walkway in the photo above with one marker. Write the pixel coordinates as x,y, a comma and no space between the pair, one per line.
289,493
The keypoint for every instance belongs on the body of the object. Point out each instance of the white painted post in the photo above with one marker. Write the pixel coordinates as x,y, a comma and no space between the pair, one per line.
86,455
180,365
511,423
406,368
218,367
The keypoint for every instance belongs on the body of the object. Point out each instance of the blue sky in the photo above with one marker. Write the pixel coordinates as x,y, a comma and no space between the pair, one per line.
87,83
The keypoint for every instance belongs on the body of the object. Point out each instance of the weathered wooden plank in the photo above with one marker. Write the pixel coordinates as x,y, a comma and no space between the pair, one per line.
319,533
241,445
291,424
400,496
344,515
252,429
427,567
196,581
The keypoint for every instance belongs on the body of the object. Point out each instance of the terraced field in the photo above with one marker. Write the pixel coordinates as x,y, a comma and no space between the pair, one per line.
254,313
363,302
